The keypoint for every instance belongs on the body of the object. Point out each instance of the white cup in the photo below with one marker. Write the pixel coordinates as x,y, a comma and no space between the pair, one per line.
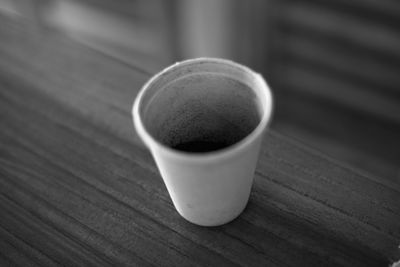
205,104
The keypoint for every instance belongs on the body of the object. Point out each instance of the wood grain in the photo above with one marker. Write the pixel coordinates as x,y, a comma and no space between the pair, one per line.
336,79
363,150
77,187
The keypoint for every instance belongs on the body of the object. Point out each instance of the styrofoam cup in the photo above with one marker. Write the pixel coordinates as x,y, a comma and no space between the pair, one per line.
205,100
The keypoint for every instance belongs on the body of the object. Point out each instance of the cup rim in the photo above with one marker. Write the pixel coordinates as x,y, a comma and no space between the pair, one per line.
227,152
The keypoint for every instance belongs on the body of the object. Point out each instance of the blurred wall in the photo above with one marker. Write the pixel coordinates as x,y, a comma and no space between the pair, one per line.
205,28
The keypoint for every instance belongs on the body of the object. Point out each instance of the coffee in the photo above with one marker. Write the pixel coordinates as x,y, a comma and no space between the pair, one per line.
202,113
201,146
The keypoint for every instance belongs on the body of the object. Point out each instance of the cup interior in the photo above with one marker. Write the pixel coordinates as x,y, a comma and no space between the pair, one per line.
201,107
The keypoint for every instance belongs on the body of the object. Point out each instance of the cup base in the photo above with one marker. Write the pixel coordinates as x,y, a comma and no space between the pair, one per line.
218,220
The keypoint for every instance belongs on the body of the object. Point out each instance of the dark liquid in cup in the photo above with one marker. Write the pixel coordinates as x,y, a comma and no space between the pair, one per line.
202,113
201,146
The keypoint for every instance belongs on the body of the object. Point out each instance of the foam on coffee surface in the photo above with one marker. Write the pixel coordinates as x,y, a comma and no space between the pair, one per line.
202,109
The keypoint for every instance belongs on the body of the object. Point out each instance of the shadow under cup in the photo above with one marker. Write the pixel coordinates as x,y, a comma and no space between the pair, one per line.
201,107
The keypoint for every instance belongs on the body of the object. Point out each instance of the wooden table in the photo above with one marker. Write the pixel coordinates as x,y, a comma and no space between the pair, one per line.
77,187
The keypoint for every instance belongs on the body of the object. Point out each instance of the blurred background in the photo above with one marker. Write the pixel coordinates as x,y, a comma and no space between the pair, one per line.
334,66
